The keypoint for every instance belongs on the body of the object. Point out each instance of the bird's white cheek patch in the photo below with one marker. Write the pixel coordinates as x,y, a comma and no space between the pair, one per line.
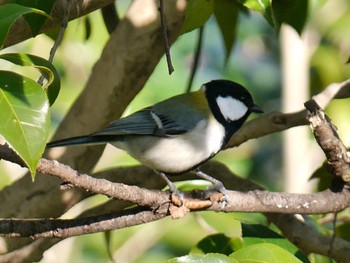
231,108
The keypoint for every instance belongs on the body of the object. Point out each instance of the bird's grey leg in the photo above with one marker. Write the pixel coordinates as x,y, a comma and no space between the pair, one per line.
218,185
172,187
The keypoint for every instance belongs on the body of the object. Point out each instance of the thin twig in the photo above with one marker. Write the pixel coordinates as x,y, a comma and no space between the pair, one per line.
165,37
197,56
277,121
62,228
330,251
59,38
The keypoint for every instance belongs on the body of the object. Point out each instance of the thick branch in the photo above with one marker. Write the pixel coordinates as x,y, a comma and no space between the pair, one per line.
310,240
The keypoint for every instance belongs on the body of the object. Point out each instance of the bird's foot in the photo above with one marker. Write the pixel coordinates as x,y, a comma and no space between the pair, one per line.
217,185
177,197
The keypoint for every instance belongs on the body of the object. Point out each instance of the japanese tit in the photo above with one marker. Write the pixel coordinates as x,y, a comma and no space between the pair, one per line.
178,134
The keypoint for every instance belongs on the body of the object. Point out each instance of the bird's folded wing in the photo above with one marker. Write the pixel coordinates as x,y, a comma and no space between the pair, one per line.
152,121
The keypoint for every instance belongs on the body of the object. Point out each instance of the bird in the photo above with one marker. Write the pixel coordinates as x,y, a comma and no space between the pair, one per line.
179,134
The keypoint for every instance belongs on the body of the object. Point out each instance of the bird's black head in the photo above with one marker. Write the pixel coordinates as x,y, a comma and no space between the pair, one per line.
230,103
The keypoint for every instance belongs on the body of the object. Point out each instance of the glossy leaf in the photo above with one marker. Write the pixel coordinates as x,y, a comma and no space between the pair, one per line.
223,223
291,12
24,117
9,13
257,5
261,6
197,13
264,253
216,243
36,21
208,258
53,85
258,234
226,14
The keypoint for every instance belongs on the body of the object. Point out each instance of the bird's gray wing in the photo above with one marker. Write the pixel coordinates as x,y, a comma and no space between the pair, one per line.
167,118
138,123
181,113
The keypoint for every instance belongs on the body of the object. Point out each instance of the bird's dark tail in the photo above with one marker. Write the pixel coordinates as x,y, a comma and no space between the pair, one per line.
80,140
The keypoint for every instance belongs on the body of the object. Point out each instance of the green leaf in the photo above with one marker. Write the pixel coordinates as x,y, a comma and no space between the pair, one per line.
108,239
261,6
255,230
197,13
36,21
258,234
264,253
325,178
226,14
223,223
53,85
209,258
24,117
256,5
216,243
291,12
9,13
343,231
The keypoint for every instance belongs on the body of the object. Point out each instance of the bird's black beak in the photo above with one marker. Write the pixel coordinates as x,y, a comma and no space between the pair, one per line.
257,109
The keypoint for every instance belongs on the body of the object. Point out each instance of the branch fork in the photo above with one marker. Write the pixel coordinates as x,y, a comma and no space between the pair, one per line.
327,137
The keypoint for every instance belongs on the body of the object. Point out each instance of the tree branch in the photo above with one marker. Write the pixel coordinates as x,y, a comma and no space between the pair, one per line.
327,137
62,228
250,201
30,253
309,239
277,121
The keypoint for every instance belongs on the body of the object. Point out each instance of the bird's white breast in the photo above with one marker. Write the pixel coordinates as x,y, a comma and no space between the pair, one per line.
179,153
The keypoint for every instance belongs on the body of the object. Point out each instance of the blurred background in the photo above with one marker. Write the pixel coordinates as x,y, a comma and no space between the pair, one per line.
281,70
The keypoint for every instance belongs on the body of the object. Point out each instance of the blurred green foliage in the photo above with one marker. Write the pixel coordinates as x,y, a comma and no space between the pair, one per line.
254,61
